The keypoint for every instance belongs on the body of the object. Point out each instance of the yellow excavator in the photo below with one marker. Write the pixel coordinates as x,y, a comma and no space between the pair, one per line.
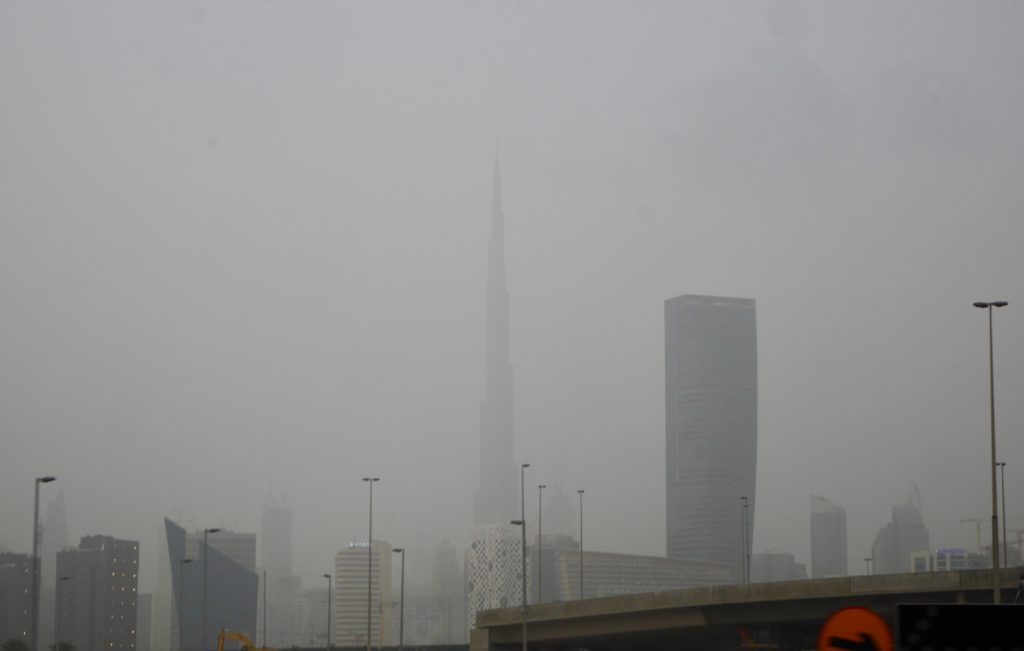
241,638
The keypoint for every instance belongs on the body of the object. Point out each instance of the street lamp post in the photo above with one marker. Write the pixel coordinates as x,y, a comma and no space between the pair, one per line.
181,602
745,561
206,549
540,543
264,608
580,493
401,600
369,569
867,566
992,420
1002,480
35,562
522,525
328,577
522,511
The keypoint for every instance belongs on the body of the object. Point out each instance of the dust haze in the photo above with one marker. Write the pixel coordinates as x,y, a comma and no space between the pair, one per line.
243,257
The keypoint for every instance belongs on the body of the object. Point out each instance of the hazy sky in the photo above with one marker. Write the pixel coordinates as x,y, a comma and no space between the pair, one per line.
243,254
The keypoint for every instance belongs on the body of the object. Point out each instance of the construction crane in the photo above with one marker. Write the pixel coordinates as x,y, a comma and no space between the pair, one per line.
977,522
241,638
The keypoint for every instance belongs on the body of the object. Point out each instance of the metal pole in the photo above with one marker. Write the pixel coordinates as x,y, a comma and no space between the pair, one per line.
540,543
181,602
1002,478
35,570
35,563
203,632
524,584
867,566
264,608
369,570
992,420
580,492
328,577
401,604
745,560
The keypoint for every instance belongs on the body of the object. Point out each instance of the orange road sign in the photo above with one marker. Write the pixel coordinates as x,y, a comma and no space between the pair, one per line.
855,629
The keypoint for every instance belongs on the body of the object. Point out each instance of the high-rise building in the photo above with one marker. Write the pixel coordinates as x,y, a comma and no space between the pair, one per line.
447,585
54,538
711,428
496,495
897,541
828,538
282,586
352,589
767,567
276,540
490,577
239,547
143,628
15,596
163,635
97,605
232,587
493,566
311,618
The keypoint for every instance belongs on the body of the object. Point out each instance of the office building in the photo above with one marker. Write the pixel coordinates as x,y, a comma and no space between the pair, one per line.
143,628
351,587
311,618
828,538
711,428
607,574
231,587
15,596
97,605
767,567
493,568
54,538
281,585
949,559
238,547
447,584
897,541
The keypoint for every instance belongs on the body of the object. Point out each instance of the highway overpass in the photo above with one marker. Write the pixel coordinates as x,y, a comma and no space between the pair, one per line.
782,615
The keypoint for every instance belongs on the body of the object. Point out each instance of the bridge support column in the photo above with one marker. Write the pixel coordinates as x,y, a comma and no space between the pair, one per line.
480,640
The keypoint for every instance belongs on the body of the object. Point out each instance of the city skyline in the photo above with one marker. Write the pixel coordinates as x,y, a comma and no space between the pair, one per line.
218,254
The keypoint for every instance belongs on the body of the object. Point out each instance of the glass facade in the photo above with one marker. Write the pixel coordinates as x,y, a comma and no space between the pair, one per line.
711,427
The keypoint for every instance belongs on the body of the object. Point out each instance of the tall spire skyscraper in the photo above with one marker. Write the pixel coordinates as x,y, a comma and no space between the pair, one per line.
496,497
492,564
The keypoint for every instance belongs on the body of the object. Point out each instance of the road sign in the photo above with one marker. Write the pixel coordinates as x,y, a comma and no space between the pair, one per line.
855,629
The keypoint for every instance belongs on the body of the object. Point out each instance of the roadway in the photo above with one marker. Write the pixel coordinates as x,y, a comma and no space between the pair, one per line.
780,615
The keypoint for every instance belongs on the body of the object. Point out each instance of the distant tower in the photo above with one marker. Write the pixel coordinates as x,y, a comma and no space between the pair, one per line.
496,496
493,542
711,426
897,542
55,538
276,540
828,538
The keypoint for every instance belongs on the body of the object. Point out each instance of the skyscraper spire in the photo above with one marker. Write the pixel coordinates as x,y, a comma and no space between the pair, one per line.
495,498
